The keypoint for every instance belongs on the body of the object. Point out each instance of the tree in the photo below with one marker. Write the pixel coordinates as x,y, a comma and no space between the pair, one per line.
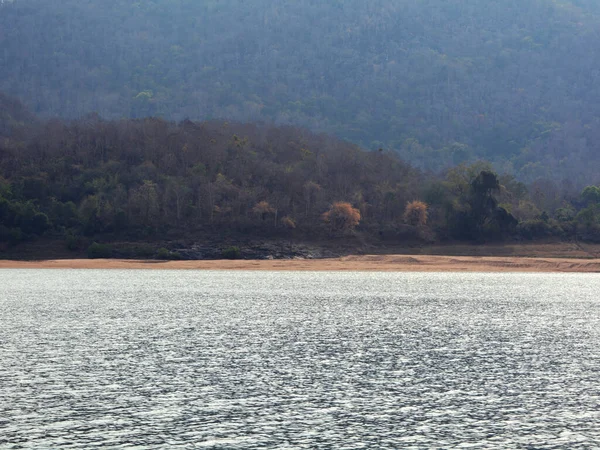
439,84
176,195
482,202
480,215
144,203
288,223
342,216
263,209
310,190
591,194
416,213
484,184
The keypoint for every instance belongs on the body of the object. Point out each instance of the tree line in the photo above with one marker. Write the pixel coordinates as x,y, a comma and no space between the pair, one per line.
153,179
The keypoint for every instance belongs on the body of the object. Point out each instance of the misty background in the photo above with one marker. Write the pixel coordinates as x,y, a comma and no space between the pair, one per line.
440,82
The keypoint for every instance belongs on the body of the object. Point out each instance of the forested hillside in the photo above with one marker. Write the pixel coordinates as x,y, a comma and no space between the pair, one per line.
158,181
441,82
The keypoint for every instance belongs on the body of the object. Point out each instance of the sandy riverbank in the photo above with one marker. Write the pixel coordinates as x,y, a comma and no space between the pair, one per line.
384,263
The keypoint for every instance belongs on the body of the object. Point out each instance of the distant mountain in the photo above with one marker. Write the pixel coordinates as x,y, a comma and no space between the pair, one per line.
440,81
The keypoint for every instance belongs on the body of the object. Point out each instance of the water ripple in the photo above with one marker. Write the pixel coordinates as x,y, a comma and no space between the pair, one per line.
130,359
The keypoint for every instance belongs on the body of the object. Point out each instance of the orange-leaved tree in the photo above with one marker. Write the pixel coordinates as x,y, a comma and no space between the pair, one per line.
263,209
288,222
416,214
342,216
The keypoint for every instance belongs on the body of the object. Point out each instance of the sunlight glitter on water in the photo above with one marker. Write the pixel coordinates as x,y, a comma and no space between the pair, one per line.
302,360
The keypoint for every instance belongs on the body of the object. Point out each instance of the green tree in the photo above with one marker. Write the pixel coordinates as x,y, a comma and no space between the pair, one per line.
145,204
591,194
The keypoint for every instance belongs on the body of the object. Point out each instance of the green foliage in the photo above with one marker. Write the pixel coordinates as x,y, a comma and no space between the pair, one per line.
167,255
38,224
141,251
64,214
478,215
591,194
11,236
484,184
73,242
5,189
536,228
25,217
231,253
588,223
440,82
163,253
99,251
565,214
134,180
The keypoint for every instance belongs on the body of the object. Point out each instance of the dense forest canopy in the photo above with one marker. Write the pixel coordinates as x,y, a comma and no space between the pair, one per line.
441,82
151,179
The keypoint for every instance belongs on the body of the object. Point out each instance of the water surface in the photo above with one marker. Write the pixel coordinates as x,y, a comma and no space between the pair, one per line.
159,359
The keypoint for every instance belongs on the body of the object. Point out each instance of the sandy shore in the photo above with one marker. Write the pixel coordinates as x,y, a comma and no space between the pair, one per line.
375,263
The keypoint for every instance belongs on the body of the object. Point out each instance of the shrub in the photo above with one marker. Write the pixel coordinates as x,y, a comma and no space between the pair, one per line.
536,228
167,255
72,242
565,214
97,251
342,216
143,251
589,233
12,236
232,253
163,253
588,216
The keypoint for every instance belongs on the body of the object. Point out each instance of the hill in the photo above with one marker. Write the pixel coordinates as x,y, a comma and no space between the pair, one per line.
440,82
205,188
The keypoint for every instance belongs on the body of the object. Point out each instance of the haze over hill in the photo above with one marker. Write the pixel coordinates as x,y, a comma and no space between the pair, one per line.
441,82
